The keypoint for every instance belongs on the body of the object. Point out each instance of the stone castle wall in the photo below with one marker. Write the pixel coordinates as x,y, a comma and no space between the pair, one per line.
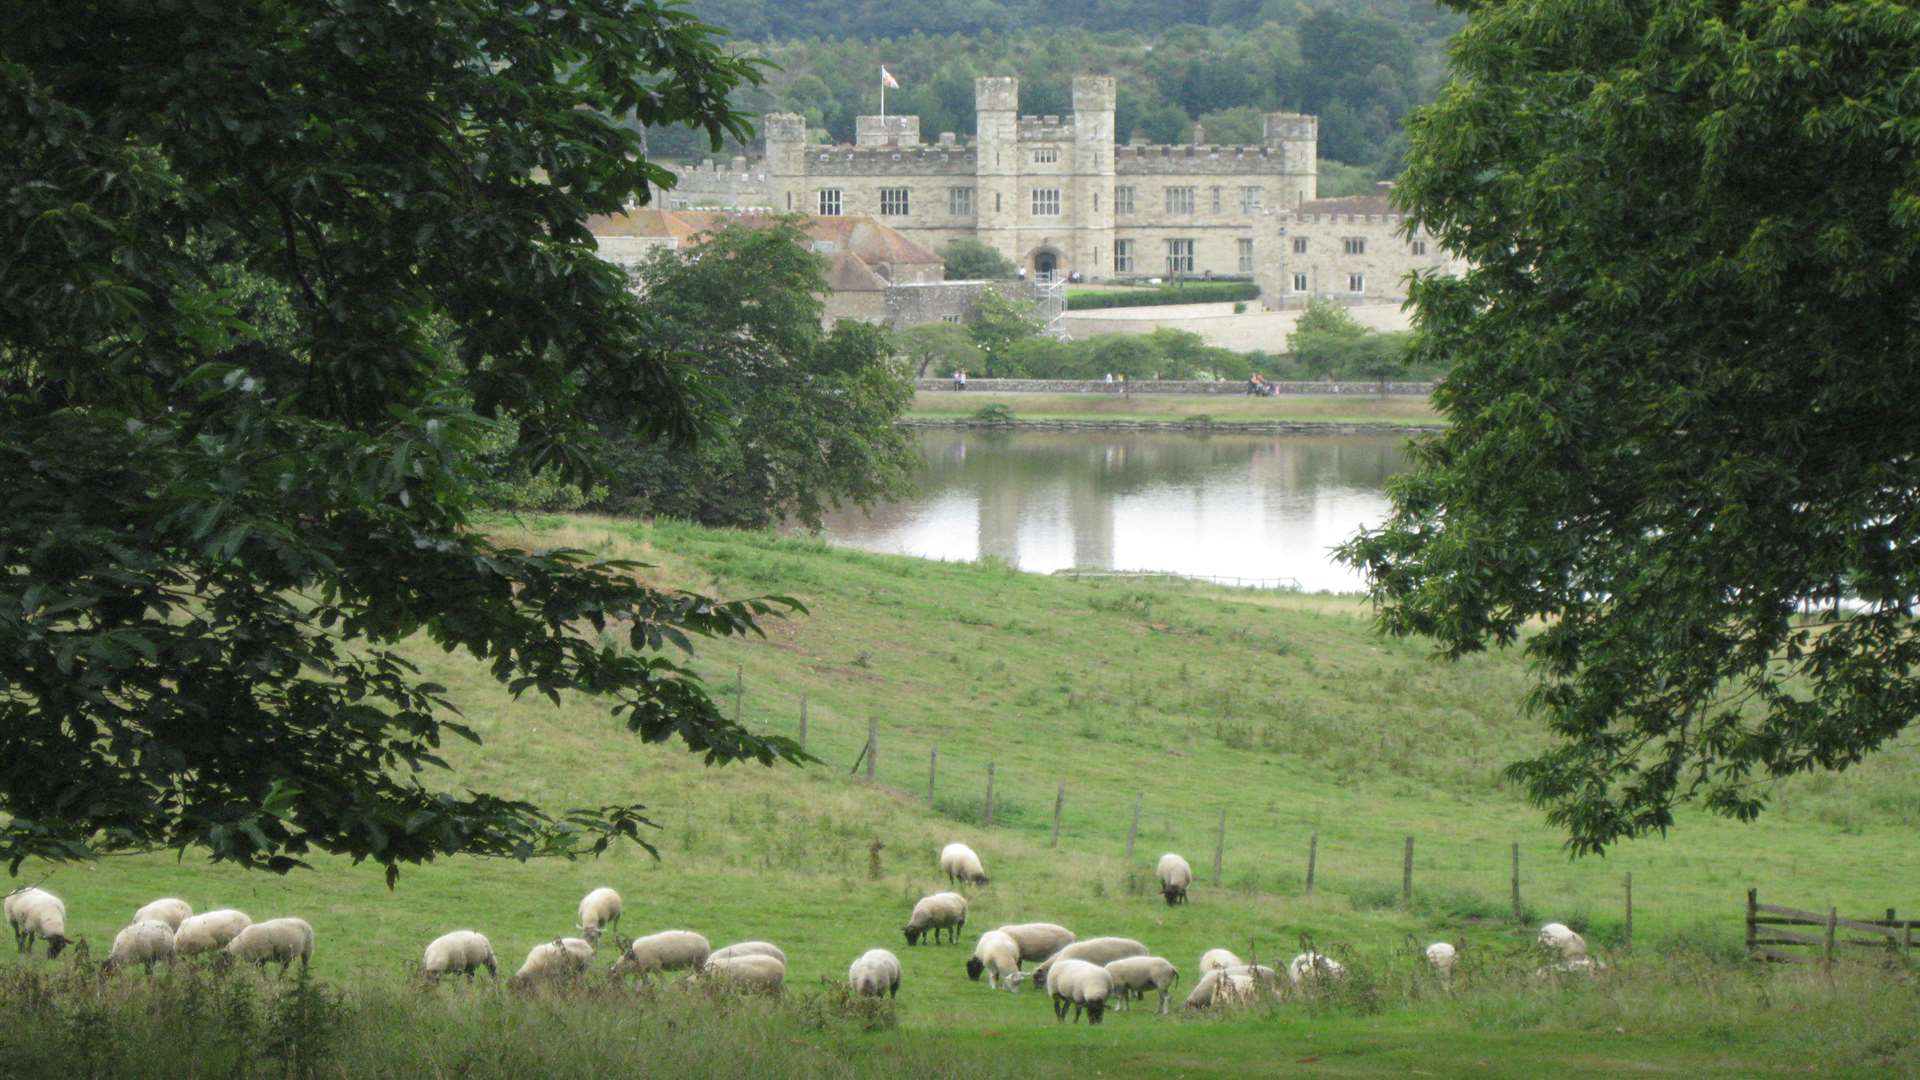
1389,255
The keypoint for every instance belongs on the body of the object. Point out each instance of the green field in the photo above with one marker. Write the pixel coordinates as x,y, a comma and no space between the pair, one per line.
1224,410
1281,710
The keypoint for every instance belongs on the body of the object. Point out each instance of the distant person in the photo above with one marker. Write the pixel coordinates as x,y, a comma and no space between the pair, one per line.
959,379
1021,274
1109,378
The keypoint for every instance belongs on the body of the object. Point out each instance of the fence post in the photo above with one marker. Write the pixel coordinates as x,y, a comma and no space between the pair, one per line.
1133,829
1753,912
1516,882
933,766
989,792
873,745
1629,941
739,689
803,719
1313,852
1219,847
1059,800
1406,875
1833,919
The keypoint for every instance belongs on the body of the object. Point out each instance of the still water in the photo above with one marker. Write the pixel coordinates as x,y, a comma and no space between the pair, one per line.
1219,506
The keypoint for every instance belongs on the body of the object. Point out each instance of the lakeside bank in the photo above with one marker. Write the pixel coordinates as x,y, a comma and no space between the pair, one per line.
1324,413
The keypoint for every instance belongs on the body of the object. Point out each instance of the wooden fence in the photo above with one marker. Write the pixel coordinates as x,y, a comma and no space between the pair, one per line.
1765,933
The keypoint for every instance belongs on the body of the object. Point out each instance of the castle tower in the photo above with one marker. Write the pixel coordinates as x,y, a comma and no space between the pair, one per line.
1297,136
787,191
996,103
886,131
1093,171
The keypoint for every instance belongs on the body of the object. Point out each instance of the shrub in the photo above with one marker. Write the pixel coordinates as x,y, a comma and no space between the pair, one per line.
1196,292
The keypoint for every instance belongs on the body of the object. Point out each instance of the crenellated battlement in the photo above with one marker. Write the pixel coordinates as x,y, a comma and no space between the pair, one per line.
922,160
1045,129
1199,160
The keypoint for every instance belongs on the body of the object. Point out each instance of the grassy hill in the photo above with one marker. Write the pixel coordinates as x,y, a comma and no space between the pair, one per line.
1283,711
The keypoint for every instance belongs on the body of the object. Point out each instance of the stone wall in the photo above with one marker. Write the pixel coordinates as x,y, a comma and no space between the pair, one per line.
1389,256
1173,386
708,184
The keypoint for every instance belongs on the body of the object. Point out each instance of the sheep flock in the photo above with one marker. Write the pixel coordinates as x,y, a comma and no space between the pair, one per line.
1078,976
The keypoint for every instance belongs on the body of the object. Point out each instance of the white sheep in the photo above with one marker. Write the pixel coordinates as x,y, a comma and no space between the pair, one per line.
668,950
876,972
146,943
1218,960
1099,951
1311,966
960,864
599,910
1133,976
1223,986
209,932
753,973
170,911
37,913
997,954
1175,875
1561,939
1082,985
461,952
1441,957
748,948
1038,940
552,960
285,940
941,911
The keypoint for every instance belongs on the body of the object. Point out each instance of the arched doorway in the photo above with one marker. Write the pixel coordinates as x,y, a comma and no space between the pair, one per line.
1046,266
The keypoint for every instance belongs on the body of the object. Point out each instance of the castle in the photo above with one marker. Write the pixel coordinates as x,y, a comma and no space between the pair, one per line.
1056,196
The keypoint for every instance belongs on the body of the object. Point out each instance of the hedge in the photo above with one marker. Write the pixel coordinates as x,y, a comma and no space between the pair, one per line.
1194,292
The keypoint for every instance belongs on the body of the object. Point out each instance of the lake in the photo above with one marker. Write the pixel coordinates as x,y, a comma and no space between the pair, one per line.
1208,505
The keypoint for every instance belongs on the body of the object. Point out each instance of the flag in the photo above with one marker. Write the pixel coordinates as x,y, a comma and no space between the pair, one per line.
887,80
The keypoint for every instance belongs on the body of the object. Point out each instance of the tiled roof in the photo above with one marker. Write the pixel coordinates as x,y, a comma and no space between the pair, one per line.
859,243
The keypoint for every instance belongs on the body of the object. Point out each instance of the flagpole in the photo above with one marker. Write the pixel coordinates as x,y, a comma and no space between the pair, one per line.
883,91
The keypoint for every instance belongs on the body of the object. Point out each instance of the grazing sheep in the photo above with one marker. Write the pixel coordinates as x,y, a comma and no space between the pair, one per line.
748,948
1135,975
1099,951
876,972
1082,985
552,960
753,973
599,910
146,943
170,911
1038,940
209,932
1560,938
1218,960
669,950
1223,986
37,913
459,953
997,954
1175,875
1310,966
1441,957
960,864
1576,965
284,940
941,911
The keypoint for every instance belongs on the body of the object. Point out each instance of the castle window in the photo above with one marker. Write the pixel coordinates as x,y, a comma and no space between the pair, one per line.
1180,255
1180,200
1299,282
1249,200
893,201
1216,200
1356,283
1246,255
830,202
1046,156
960,201
1046,202
1123,200
1096,203
1419,247
1123,256
950,318
1299,245
1354,245
996,202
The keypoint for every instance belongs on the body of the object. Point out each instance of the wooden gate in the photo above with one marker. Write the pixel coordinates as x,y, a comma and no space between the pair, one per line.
1766,933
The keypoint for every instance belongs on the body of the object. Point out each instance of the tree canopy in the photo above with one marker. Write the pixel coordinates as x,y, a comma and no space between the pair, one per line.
1683,466
227,503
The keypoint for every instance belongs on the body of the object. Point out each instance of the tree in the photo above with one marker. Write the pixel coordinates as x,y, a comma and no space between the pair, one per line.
802,418
219,528
939,349
971,260
1681,467
997,325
